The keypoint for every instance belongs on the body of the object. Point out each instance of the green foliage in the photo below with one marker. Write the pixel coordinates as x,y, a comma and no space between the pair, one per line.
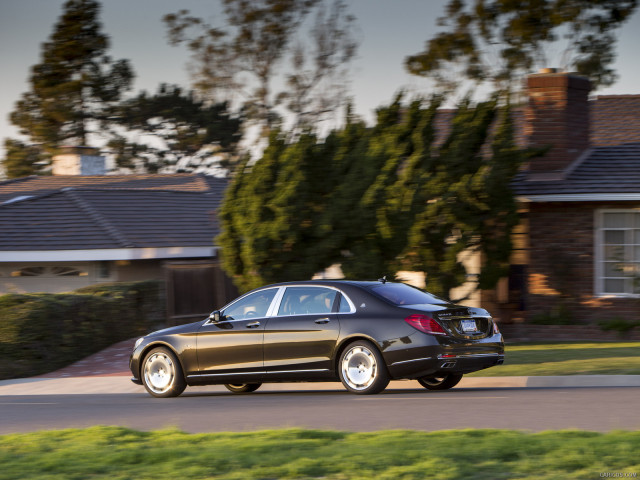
269,214
500,41
42,332
377,200
189,130
74,85
120,453
619,324
559,314
21,160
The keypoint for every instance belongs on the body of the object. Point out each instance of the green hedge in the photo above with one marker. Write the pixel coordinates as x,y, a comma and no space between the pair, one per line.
42,332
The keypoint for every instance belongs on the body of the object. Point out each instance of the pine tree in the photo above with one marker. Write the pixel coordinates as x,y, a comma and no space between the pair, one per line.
188,130
499,41
74,86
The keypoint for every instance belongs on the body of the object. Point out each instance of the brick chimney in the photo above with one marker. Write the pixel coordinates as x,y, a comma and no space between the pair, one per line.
557,114
78,161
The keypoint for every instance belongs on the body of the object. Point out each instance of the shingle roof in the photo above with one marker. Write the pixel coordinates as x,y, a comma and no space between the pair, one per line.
606,170
612,166
150,216
615,119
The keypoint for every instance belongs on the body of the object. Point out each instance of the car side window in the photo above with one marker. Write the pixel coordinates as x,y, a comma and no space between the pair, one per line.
253,305
307,300
344,305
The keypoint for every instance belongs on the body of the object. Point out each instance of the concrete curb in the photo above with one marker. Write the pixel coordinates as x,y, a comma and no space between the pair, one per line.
552,381
104,385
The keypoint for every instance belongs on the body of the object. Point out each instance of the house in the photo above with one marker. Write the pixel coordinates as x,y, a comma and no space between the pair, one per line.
580,236
62,232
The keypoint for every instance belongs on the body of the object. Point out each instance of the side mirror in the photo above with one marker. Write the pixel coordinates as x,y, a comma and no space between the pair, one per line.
215,316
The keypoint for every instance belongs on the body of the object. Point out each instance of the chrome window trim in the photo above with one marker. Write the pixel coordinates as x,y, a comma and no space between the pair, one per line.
211,322
246,295
330,287
352,307
272,311
275,304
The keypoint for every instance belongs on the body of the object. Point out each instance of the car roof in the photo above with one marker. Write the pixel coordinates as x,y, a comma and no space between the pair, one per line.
334,283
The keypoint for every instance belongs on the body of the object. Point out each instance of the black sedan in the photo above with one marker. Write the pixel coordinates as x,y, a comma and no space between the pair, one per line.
361,333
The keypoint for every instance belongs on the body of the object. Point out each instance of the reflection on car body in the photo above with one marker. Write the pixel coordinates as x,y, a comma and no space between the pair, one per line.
363,334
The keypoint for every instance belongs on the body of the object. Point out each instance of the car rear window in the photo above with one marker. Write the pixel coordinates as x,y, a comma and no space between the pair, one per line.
402,294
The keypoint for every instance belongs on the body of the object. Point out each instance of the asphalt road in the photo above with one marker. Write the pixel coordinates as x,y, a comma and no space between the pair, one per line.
534,409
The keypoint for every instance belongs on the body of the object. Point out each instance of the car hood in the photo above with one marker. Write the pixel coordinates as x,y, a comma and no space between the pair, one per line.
186,328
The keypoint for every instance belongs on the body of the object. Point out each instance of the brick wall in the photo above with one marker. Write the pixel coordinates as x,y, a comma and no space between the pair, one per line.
561,264
562,333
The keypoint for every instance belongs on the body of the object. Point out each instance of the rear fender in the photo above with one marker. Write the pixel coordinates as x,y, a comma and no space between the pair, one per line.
342,344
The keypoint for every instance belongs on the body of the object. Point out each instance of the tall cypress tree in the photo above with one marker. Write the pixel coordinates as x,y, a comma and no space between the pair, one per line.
446,224
75,85
274,214
378,200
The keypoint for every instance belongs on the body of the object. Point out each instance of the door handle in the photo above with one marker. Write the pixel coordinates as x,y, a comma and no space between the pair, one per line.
253,324
322,320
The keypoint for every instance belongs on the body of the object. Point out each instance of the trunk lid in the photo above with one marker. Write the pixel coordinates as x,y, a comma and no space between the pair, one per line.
465,322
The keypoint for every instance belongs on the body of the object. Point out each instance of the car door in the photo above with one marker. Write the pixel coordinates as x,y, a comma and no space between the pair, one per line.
234,344
300,338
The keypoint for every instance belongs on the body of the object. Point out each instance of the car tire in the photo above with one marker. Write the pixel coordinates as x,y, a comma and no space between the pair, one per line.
161,373
242,387
362,369
444,382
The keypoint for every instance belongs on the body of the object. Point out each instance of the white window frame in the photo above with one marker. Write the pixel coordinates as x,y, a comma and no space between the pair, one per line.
599,257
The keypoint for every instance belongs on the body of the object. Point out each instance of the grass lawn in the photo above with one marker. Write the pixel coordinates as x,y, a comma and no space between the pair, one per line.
118,453
607,358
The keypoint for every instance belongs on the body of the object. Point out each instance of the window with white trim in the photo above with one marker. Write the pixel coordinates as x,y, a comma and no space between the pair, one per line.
618,252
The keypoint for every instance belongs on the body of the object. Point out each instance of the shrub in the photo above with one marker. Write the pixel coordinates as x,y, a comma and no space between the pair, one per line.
42,332
558,315
618,324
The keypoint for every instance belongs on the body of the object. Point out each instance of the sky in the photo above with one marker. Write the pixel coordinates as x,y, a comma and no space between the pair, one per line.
388,30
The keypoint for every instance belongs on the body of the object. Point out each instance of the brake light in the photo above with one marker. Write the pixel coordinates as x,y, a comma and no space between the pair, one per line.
496,330
425,324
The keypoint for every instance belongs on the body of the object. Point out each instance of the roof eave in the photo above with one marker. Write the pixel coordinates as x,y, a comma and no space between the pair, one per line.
106,254
580,197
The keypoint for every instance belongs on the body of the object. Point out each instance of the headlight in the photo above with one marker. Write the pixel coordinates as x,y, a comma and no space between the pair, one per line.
138,342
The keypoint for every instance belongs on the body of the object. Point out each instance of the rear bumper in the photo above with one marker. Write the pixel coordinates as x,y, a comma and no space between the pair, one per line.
447,356
435,366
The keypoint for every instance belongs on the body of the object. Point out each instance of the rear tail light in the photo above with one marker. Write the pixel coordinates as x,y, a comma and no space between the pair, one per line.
425,324
496,330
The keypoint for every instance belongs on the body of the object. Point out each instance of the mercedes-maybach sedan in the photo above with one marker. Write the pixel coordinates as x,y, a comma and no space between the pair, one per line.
363,334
